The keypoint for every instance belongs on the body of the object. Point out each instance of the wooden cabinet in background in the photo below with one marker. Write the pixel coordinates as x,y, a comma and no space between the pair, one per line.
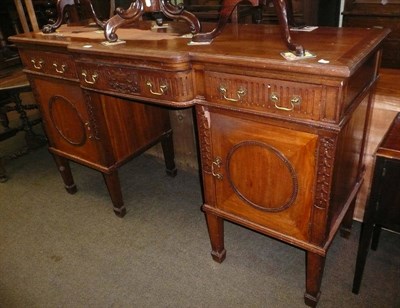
304,11
380,14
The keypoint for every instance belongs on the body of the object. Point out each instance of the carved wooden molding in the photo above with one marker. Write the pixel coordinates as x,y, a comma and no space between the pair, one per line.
120,81
325,169
59,104
94,127
281,157
203,122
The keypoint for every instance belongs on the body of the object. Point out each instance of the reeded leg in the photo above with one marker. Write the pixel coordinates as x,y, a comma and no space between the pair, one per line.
114,189
215,227
169,154
314,270
65,171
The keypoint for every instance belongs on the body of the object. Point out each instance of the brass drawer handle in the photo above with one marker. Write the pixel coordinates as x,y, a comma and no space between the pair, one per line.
62,68
295,100
93,77
38,65
240,93
163,88
217,163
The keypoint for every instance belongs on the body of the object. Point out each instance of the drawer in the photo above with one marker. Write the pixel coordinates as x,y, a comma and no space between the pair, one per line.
264,95
160,85
55,64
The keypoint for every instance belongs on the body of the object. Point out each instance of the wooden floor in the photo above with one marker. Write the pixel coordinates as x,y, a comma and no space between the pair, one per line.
388,85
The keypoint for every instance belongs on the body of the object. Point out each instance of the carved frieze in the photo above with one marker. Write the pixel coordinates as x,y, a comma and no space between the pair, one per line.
122,81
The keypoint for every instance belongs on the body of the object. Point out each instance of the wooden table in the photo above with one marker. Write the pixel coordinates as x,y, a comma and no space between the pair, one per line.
383,205
281,143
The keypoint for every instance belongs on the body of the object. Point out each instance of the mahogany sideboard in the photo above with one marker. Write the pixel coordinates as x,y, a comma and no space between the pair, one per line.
281,143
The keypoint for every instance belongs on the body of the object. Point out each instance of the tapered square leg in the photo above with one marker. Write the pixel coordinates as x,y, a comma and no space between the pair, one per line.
315,265
215,227
114,189
66,174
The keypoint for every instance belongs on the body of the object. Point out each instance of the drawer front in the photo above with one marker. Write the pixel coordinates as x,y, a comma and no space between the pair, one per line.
55,64
265,95
171,86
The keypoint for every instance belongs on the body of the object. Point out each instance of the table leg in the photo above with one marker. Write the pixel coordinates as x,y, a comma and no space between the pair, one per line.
65,171
347,222
215,227
114,189
375,236
3,174
367,227
32,140
314,270
363,247
167,144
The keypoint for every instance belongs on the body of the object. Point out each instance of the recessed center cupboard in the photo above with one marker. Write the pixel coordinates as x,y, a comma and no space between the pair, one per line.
281,142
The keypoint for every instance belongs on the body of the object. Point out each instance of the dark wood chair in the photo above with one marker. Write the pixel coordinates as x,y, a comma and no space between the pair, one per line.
383,207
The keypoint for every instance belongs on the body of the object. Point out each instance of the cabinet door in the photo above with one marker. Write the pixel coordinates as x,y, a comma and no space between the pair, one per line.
263,174
70,129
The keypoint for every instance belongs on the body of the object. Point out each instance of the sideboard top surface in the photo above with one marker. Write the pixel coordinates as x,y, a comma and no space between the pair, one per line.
244,45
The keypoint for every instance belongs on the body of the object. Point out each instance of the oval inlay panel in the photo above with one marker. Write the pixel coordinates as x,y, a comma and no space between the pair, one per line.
67,120
268,181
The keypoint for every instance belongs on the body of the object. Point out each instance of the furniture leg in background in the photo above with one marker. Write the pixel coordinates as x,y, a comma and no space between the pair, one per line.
12,84
383,207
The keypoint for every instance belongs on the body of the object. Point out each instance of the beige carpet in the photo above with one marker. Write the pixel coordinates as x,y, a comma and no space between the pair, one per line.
61,250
